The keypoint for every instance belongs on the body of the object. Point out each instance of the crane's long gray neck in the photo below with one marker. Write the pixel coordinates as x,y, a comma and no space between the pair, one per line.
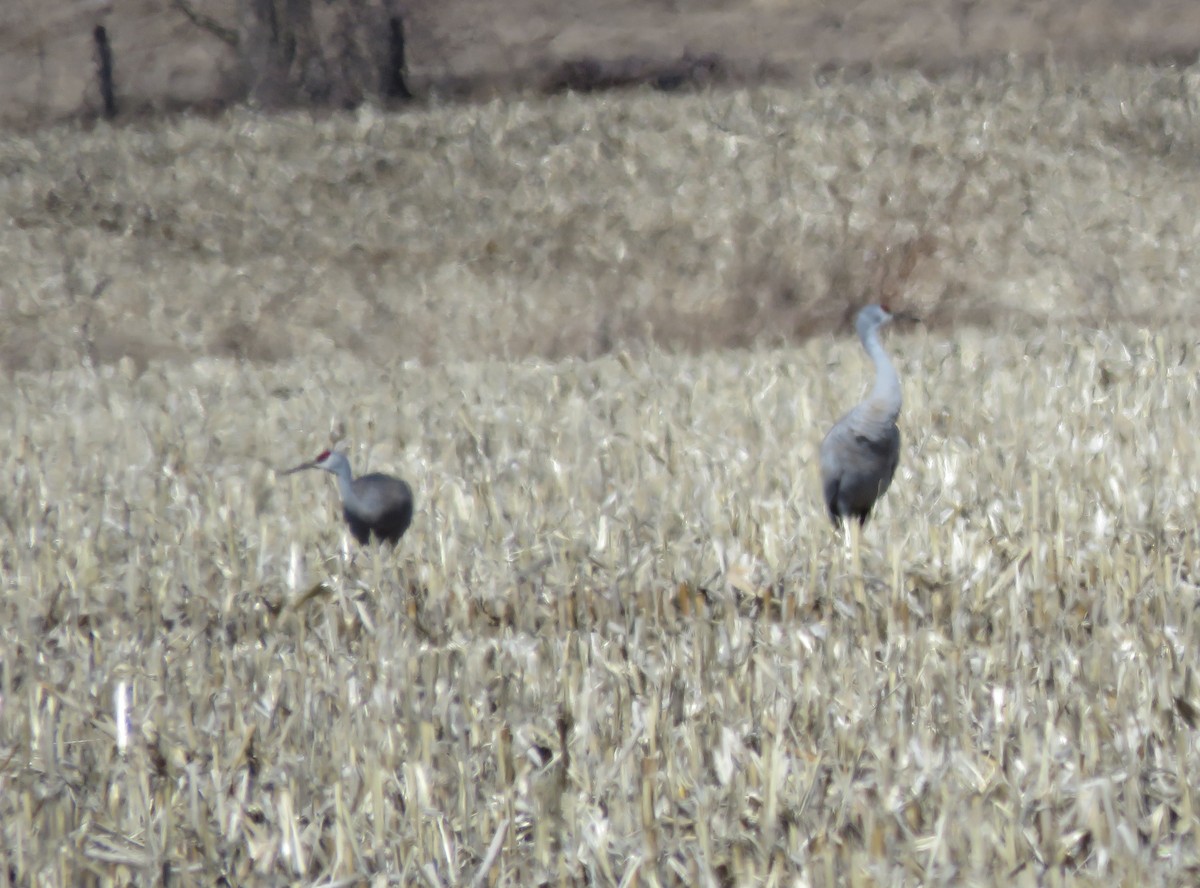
886,392
341,470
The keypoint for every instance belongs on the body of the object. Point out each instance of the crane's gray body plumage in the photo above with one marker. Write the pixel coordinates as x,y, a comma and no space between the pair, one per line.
860,453
374,505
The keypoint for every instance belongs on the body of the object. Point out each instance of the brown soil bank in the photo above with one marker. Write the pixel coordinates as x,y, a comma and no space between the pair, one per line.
162,60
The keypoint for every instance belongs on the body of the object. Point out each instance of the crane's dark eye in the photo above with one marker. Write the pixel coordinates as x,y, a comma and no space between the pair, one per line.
885,307
324,455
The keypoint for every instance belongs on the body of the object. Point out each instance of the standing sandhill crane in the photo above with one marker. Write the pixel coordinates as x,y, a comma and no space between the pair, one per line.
859,454
374,505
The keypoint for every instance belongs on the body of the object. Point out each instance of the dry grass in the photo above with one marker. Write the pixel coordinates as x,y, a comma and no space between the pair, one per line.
572,226
620,643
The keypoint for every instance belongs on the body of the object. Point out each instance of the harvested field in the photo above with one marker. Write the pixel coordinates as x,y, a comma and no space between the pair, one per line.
621,634
621,643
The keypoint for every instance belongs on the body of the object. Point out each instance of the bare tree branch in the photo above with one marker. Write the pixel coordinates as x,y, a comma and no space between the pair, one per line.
228,35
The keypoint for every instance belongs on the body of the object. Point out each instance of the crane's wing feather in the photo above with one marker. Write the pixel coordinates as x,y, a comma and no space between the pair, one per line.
881,446
358,529
385,506
830,486
858,459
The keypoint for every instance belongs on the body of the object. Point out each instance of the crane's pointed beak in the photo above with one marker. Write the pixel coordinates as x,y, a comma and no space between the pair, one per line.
294,469
906,316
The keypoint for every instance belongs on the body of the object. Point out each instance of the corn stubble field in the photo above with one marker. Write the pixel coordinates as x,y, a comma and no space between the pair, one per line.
620,643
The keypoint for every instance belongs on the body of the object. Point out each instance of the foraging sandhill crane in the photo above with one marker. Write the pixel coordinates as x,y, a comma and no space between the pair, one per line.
374,505
859,454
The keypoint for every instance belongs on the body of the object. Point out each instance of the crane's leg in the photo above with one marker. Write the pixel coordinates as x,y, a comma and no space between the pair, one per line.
898,617
378,558
854,529
370,575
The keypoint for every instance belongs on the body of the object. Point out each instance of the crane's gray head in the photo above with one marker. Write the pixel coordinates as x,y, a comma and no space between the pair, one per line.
329,460
872,317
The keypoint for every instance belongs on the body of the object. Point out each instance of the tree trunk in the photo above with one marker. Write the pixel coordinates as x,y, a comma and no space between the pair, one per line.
282,53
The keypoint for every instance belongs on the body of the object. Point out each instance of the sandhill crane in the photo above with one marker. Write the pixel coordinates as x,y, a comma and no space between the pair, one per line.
859,454
375,505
